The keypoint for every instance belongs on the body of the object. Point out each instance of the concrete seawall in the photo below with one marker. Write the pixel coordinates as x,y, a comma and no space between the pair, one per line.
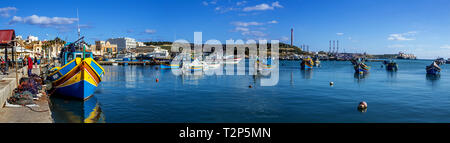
40,114
8,83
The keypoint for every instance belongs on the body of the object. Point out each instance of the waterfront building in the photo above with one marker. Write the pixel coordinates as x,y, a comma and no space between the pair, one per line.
31,38
104,48
402,55
123,44
153,51
140,44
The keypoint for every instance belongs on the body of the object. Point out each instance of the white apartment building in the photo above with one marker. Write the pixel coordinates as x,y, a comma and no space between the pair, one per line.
32,38
123,43
140,44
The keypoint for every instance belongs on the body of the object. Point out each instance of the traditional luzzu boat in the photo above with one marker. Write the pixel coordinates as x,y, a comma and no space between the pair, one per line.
433,69
307,63
361,68
80,74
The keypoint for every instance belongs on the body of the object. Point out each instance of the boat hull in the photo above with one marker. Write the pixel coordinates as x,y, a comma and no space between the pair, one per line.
79,79
433,71
163,66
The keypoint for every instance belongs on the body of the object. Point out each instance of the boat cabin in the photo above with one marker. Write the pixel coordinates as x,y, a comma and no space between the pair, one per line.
69,56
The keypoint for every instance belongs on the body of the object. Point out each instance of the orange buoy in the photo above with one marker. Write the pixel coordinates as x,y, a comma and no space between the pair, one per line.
157,80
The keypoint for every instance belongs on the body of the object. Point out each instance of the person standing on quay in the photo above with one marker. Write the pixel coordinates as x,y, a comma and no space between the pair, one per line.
30,65
35,61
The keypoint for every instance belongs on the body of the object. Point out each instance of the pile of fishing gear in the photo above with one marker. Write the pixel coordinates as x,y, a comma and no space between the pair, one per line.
28,90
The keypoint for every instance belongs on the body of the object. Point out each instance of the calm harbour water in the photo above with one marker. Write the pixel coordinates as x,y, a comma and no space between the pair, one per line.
131,94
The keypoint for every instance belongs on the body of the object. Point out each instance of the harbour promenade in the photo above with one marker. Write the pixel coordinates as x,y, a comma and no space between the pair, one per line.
36,114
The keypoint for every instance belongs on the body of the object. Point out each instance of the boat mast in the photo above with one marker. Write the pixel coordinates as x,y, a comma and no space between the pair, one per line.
78,25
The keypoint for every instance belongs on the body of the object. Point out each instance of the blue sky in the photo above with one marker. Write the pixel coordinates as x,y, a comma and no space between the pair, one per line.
421,27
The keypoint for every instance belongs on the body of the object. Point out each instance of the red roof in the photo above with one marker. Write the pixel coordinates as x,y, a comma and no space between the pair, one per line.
6,36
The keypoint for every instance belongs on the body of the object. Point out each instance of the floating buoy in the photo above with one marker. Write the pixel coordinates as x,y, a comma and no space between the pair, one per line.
157,80
362,105
331,83
250,86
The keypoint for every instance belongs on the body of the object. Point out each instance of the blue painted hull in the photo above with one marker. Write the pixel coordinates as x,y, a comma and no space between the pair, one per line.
306,67
170,66
80,90
433,71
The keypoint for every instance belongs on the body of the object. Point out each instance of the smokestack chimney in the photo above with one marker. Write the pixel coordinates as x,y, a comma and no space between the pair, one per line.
292,37
330,47
337,51
334,46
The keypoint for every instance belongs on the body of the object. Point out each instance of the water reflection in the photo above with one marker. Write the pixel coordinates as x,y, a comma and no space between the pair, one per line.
360,77
307,73
433,79
76,111
391,74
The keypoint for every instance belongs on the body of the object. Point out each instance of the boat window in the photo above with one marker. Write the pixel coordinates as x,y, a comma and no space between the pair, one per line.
79,55
69,57
87,55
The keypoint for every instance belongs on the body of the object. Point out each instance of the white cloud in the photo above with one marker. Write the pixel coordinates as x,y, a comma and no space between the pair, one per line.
43,20
339,34
225,9
445,47
396,46
254,33
6,11
241,3
408,36
284,38
273,22
206,3
263,7
245,24
150,31
241,29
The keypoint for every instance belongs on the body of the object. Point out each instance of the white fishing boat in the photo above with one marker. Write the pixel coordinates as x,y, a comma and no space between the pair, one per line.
231,59
195,65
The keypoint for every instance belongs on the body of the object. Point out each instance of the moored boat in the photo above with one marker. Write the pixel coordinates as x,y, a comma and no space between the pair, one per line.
391,65
440,61
433,69
231,60
169,66
307,63
80,74
360,67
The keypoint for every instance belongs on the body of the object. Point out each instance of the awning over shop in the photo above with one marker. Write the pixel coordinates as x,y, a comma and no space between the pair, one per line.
6,36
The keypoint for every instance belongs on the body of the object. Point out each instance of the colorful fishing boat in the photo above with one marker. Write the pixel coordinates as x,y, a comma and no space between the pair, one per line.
361,68
433,69
195,65
307,63
80,74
